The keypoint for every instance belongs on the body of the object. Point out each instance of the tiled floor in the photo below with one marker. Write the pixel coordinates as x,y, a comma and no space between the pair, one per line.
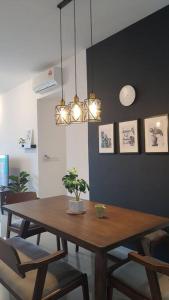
84,261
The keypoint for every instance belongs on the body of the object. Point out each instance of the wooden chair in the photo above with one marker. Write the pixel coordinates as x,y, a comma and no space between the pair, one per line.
23,227
144,246
148,244
2,199
117,255
143,278
30,273
151,241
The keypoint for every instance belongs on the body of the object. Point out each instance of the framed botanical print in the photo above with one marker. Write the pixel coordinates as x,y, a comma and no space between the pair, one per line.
156,134
128,137
106,138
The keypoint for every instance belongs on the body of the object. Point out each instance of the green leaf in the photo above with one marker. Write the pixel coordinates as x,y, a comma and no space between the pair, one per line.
73,184
19,183
13,178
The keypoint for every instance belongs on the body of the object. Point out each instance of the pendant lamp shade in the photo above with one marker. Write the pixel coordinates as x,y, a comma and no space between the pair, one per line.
62,114
92,109
76,110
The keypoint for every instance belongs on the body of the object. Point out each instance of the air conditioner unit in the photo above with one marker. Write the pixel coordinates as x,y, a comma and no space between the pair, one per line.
46,80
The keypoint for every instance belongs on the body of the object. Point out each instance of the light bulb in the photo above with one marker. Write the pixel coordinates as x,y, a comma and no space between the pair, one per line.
76,111
93,109
158,124
63,113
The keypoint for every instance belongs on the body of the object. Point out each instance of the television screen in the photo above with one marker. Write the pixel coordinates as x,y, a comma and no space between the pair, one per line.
4,169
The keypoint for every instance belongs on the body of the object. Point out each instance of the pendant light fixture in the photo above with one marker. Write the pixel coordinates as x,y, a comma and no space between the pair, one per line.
92,105
62,110
76,106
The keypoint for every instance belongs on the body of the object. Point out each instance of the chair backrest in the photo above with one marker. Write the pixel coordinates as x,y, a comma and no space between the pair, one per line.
10,257
152,266
20,197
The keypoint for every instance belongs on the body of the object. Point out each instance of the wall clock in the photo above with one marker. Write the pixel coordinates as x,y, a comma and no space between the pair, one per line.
127,95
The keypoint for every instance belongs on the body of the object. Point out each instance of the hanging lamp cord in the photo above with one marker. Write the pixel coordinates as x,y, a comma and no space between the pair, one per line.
61,51
75,47
91,23
92,56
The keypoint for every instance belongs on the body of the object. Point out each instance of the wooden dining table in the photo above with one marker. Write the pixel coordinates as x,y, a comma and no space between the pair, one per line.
88,231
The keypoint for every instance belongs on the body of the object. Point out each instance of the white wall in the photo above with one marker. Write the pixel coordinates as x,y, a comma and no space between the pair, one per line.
18,113
77,134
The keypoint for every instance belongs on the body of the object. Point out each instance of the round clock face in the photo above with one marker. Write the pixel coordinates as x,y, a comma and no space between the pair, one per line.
127,95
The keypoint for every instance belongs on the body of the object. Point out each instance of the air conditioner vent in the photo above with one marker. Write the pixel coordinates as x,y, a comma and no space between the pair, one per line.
46,81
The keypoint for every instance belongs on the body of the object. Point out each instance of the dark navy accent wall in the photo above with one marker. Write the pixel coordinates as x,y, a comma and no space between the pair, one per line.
138,55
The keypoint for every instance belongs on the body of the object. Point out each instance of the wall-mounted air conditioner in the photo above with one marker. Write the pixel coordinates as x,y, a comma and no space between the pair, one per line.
46,80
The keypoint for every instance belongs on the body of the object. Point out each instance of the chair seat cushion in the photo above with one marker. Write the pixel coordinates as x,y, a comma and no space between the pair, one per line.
58,276
120,252
134,276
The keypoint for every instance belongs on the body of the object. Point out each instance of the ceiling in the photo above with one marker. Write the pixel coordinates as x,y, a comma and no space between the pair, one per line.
29,31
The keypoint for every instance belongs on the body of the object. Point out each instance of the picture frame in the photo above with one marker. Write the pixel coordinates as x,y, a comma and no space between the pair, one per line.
156,134
106,138
28,139
128,137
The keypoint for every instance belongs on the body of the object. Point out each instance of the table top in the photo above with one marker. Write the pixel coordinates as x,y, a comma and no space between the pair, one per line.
87,230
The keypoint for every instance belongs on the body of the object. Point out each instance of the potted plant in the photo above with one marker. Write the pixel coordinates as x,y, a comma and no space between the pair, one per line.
18,183
75,186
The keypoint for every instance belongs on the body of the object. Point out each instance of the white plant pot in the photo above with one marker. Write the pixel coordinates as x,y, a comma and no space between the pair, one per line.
76,206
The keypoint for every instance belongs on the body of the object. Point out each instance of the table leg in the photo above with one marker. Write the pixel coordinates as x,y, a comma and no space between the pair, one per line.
100,276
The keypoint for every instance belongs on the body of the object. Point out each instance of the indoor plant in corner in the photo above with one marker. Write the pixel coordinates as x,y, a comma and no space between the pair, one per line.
75,186
18,184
